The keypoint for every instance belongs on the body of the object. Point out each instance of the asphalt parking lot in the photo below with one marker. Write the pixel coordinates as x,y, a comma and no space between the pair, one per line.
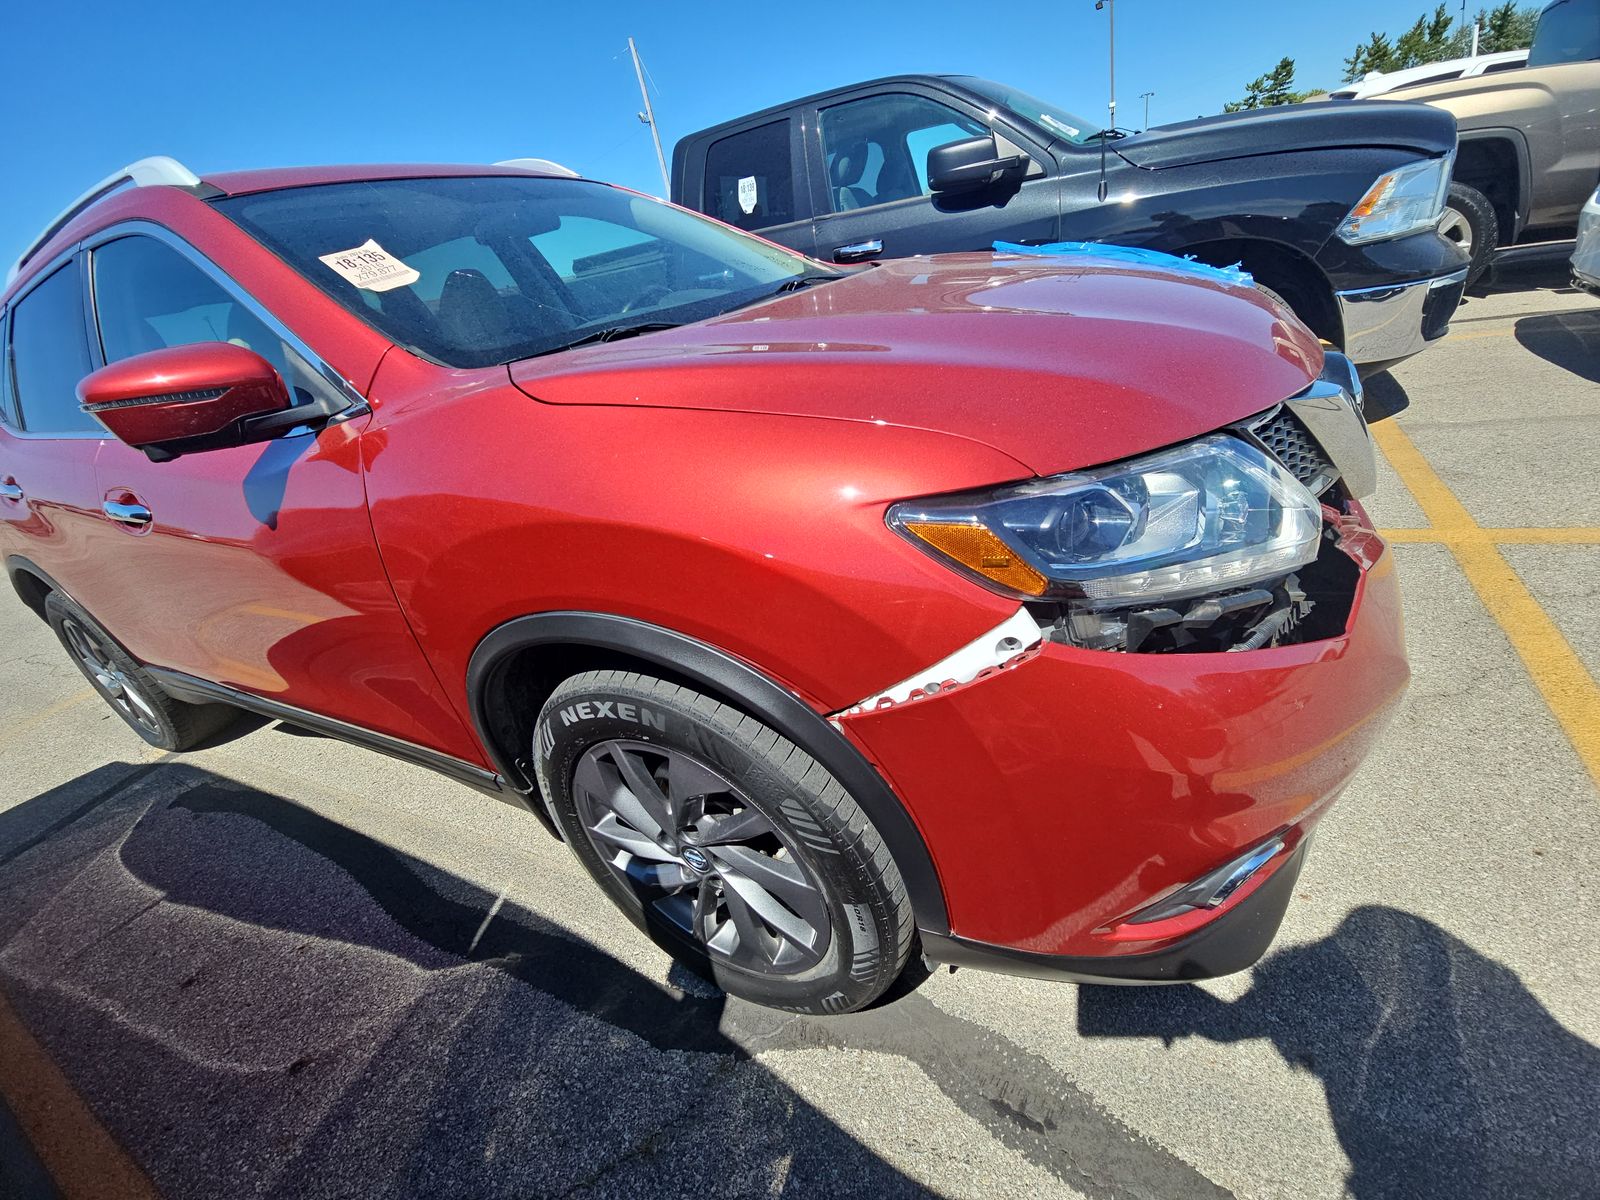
287,967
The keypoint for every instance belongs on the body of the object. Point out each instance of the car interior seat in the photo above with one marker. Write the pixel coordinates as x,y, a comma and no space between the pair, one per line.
472,312
845,172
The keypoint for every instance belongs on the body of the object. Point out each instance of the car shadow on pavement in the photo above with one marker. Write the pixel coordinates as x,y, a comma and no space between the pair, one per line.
247,1021
1443,1074
254,995
1569,340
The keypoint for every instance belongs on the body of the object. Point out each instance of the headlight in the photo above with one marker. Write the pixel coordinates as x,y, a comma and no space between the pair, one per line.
1403,201
1212,514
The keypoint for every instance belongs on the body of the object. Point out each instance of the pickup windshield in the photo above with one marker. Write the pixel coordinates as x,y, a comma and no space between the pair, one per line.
1047,116
472,271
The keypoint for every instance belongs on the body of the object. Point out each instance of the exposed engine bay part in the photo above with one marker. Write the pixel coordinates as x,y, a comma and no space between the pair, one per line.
1307,605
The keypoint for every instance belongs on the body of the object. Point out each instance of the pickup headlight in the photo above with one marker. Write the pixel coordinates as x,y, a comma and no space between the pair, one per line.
1402,201
1210,515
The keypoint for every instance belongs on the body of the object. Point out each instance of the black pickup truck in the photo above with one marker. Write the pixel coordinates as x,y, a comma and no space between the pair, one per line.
1334,207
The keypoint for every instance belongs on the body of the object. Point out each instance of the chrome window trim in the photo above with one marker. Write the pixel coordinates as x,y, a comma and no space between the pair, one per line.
139,228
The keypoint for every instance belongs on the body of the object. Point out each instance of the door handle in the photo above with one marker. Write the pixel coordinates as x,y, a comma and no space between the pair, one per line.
135,516
10,490
858,251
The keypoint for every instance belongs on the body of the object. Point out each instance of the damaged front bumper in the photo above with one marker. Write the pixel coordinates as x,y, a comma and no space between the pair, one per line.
1068,794
1383,325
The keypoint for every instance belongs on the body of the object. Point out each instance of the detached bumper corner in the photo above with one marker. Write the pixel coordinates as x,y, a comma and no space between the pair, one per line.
1383,325
1233,941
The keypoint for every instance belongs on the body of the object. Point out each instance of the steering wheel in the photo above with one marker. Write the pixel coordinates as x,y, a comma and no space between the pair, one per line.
649,296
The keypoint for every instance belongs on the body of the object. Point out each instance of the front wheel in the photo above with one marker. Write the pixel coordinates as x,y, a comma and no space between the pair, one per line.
1470,222
735,850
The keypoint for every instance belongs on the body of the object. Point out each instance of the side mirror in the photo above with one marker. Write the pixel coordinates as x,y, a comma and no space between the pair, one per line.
198,397
969,164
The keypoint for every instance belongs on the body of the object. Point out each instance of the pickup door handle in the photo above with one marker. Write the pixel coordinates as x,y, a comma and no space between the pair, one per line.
136,516
9,490
858,251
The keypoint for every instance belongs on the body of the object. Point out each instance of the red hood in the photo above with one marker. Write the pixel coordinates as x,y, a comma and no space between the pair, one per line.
1058,363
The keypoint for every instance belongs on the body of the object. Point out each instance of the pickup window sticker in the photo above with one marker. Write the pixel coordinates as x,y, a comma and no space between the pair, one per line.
372,267
747,195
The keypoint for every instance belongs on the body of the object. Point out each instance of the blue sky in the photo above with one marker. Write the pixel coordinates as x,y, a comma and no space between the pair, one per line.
242,83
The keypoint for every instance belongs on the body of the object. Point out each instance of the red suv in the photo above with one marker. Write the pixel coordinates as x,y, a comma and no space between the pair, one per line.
1014,610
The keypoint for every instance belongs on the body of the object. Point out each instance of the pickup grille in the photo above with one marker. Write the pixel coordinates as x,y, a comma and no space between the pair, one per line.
1287,440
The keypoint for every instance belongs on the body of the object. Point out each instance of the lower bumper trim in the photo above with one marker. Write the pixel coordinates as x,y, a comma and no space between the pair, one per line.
1389,323
1233,942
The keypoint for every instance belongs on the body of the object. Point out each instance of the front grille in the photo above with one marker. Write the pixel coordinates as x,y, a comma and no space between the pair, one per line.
1287,440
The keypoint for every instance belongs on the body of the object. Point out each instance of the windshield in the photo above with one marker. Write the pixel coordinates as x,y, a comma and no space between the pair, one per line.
1569,31
478,270
1042,113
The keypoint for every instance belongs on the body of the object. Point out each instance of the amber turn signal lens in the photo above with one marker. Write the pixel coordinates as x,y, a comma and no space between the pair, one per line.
1375,194
979,550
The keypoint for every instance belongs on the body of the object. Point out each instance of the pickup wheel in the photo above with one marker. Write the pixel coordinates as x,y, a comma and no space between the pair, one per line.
1469,221
728,844
128,688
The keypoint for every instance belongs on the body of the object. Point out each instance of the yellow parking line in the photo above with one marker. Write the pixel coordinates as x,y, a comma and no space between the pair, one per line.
1577,536
1567,687
84,1161
1479,333
21,728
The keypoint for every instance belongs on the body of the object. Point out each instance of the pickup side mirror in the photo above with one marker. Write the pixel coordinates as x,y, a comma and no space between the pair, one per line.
970,164
184,398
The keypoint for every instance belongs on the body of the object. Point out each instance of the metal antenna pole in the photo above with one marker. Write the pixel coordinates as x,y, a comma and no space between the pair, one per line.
648,116
1145,96
1111,11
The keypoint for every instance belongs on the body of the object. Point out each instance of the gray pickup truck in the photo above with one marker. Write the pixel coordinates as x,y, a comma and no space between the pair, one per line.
1529,151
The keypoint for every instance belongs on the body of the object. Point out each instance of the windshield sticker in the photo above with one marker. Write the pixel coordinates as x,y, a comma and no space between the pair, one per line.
372,267
747,195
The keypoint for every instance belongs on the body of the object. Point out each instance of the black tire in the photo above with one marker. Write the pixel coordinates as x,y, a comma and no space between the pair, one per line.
1469,220
128,688
714,770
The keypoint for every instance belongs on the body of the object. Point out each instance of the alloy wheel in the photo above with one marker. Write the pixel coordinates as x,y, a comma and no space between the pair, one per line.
114,684
697,852
1455,227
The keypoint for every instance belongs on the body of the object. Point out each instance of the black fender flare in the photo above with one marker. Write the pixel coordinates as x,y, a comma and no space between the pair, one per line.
731,679
16,568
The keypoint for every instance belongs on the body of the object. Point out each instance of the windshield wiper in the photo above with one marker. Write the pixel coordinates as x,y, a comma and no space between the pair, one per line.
614,333
804,281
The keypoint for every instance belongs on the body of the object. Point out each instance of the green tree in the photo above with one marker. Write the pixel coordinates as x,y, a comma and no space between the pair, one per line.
1437,36
1375,54
1269,90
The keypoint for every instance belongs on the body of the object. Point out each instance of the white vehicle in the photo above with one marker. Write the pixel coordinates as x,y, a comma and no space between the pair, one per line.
1586,254
1379,83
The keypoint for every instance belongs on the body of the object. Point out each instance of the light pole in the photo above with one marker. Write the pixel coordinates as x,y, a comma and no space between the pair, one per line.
1111,11
1145,96
648,117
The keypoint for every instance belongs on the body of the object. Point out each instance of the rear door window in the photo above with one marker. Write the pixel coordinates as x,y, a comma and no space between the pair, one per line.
8,410
750,177
50,355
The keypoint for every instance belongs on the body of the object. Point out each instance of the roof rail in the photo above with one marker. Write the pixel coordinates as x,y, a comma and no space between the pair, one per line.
147,172
542,166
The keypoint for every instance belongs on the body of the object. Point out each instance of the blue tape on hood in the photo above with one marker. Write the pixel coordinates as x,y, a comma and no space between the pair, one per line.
1134,256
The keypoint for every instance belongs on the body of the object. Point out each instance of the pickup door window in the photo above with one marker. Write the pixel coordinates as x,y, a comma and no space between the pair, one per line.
877,202
750,177
876,150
